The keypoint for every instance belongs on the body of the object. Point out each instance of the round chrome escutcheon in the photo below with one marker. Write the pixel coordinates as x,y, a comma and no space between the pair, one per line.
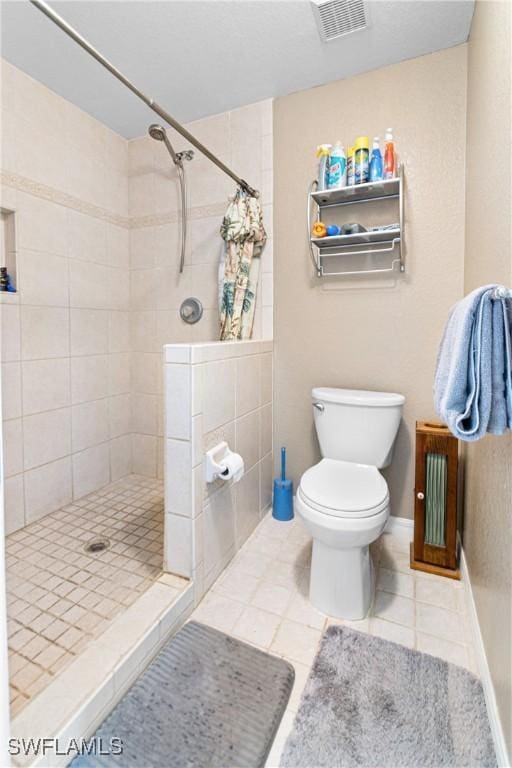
191,311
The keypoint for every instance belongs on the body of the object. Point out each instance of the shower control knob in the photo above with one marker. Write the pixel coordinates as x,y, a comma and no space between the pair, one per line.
420,495
191,310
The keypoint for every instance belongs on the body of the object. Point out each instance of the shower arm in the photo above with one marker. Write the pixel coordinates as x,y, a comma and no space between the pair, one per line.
74,35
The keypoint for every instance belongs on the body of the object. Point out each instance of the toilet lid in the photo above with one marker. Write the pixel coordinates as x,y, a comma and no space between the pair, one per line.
344,489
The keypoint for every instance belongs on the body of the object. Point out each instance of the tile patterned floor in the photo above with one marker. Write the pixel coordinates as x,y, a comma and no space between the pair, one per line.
60,596
262,599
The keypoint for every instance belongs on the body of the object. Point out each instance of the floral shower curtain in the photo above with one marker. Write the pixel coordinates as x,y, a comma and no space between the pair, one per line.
244,236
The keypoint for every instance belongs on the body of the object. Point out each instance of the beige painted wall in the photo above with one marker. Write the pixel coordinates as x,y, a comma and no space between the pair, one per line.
488,525
370,336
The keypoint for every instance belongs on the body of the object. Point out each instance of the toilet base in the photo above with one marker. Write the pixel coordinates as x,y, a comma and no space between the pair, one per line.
341,582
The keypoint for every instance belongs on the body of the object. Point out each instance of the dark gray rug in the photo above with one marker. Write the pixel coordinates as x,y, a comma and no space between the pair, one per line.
369,702
207,700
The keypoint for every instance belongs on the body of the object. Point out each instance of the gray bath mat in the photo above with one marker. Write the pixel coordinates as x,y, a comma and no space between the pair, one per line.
369,702
206,701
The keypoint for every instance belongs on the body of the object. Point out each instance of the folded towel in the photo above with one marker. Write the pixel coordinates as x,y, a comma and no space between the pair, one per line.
473,381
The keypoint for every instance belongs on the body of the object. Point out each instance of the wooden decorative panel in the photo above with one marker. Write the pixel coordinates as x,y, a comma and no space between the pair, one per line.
436,499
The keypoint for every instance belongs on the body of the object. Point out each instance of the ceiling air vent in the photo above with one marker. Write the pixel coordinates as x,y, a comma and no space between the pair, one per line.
336,18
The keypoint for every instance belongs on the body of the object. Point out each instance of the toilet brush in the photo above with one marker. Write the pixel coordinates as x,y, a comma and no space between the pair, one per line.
282,508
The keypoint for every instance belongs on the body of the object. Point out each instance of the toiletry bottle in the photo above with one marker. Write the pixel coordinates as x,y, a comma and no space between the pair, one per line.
322,152
389,156
350,166
337,167
376,164
361,160
3,278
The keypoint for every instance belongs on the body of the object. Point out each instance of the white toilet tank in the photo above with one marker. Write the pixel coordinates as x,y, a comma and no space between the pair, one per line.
356,425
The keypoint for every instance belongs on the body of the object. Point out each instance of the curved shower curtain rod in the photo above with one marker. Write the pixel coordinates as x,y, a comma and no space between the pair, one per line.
74,35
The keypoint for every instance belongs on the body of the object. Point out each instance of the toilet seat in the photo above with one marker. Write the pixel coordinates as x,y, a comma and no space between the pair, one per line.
343,489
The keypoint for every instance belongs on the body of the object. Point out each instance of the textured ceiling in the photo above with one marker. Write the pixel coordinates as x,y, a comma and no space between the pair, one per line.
200,57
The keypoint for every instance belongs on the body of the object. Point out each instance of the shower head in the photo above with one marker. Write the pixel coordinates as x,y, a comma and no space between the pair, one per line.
157,132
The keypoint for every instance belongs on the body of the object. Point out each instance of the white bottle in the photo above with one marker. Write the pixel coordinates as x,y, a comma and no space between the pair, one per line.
338,167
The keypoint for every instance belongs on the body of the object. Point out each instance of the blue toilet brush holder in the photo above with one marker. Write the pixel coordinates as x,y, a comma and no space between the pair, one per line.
282,508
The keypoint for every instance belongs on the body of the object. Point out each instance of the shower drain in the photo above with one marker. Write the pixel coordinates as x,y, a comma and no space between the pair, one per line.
97,545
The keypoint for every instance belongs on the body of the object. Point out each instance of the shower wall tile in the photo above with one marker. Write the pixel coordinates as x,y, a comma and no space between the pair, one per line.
89,285
248,438
178,421
144,455
118,331
91,469
247,384
268,322
119,415
142,248
166,240
46,385
118,373
144,414
13,447
46,437
68,403
44,332
120,457
219,394
89,378
47,488
165,190
11,390
266,379
41,226
86,237
141,156
118,247
14,504
219,517
90,424
43,279
144,331
89,331
10,339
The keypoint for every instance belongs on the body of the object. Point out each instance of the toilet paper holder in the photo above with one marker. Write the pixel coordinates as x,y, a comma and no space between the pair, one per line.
221,463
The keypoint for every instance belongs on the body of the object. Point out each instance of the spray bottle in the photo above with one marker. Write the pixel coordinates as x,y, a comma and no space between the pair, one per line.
389,156
376,164
337,167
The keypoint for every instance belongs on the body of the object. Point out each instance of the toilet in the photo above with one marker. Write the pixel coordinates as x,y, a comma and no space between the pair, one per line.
343,500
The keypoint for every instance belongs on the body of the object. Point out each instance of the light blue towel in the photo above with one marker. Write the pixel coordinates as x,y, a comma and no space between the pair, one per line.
473,381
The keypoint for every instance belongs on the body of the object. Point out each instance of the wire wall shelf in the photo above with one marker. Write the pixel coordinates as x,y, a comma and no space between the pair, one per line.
385,244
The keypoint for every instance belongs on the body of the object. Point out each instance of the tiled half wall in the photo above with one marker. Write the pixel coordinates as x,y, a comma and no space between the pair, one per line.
214,392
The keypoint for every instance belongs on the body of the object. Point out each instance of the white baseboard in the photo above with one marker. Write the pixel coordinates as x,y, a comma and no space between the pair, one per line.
483,669
400,526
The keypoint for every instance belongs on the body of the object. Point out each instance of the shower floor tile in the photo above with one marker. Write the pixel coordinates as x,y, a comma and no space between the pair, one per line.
60,596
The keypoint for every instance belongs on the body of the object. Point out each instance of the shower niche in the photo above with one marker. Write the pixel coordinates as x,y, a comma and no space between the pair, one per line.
437,502
7,251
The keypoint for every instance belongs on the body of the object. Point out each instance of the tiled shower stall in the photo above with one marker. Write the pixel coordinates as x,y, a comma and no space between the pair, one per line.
90,236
